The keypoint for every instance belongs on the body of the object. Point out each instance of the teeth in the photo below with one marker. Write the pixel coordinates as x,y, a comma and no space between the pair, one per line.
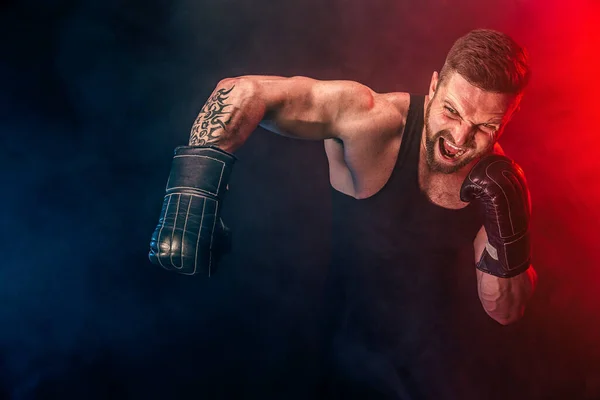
459,151
452,146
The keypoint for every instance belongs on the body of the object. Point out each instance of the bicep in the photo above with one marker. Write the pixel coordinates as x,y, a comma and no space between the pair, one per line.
307,108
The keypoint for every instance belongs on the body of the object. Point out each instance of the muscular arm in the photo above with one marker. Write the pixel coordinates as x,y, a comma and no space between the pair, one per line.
298,107
503,299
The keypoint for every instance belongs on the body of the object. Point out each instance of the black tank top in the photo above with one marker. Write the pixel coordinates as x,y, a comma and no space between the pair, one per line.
403,291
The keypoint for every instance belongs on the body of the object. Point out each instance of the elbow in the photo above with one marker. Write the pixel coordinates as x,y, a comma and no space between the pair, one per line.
506,319
504,313
229,82
245,86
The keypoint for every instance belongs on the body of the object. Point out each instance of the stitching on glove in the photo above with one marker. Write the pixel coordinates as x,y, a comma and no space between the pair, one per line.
158,241
511,268
507,203
173,233
516,239
187,214
212,235
199,234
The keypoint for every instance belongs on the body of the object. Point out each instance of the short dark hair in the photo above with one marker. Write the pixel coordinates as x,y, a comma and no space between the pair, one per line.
490,60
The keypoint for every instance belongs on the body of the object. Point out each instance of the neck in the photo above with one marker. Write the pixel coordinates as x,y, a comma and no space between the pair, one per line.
441,189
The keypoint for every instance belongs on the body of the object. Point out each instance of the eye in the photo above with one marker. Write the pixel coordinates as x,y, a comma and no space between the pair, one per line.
488,128
451,110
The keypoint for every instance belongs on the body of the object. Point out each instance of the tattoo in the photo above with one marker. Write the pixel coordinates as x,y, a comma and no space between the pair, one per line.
211,120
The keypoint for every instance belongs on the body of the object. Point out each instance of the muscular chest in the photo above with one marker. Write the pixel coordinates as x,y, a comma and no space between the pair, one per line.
442,190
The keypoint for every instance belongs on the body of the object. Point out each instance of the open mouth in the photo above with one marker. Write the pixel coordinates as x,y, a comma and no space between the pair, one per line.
450,151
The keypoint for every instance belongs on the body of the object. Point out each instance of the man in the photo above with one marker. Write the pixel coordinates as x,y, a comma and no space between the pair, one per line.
421,194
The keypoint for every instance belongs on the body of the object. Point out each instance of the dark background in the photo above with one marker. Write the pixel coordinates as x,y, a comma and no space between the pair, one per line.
94,97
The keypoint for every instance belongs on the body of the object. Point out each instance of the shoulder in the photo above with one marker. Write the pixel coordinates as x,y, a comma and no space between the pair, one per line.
393,107
368,114
363,160
400,101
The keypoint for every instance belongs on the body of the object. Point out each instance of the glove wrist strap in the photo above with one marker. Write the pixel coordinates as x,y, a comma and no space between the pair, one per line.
204,169
492,266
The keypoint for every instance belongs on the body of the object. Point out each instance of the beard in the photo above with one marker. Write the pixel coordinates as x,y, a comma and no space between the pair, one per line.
432,140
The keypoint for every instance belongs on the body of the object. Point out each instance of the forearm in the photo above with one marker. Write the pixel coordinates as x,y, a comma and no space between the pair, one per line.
232,112
504,299
297,107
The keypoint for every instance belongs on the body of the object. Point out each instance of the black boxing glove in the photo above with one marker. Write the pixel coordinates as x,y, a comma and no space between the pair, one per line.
190,235
499,184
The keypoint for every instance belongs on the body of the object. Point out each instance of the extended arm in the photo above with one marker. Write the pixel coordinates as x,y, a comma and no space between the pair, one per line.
298,107
190,235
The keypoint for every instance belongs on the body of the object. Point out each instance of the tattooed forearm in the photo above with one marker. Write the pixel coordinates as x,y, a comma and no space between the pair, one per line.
212,120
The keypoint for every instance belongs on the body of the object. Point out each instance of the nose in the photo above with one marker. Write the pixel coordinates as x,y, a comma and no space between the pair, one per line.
463,133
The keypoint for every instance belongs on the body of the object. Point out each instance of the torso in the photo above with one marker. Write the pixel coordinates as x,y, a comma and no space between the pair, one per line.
401,284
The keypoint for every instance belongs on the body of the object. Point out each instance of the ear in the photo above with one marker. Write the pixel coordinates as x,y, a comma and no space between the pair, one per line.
433,84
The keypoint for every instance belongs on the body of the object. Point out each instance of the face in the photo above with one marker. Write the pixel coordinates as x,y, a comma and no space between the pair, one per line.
462,122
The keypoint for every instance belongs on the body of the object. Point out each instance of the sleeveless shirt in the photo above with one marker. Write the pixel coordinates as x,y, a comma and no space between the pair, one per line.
402,293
